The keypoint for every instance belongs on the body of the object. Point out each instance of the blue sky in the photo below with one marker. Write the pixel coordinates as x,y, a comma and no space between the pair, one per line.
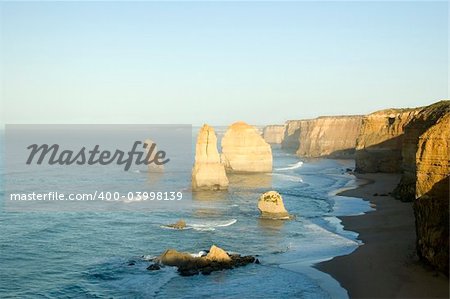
218,62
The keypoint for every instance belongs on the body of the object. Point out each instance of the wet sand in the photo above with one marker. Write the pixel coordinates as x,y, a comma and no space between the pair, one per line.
386,266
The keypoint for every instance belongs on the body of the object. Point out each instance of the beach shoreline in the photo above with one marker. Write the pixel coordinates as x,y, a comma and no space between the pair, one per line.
385,265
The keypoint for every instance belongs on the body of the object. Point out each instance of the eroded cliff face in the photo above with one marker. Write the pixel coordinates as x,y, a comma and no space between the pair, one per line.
291,135
431,206
274,134
379,144
413,141
329,136
244,150
325,136
208,172
424,119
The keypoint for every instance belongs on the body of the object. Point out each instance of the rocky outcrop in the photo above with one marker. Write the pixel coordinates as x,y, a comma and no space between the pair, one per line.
379,144
244,150
172,257
424,119
271,206
274,134
218,254
180,224
217,259
329,136
431,207
208,172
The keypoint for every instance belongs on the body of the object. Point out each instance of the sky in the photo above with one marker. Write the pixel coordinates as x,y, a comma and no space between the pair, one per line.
217,62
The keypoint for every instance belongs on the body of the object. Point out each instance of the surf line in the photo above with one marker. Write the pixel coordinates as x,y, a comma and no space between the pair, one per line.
95,156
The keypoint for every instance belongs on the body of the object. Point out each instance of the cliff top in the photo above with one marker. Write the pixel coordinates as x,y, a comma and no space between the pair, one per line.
442,104
327,116
394,111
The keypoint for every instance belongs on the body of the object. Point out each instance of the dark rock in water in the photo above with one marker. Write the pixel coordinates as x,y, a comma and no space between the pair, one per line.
131,263
375,194
257,261
153,267
188,271
207,270
216,260
180,224
349,170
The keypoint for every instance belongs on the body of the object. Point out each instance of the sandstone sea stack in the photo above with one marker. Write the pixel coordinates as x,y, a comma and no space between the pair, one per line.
208,172
271,206
244,150
150,146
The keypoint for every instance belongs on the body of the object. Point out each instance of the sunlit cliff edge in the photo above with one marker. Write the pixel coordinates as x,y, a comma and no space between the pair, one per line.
411,141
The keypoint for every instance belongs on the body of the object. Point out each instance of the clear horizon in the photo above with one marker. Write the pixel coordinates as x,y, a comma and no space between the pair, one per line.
218,62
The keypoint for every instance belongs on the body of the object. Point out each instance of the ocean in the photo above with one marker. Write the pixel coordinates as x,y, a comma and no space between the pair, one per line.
98,254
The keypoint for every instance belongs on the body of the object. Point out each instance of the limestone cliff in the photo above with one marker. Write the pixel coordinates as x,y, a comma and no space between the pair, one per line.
433,156
291,135
329,136
274,134
244,150
325,136
379,144
425,118
431,206
208,172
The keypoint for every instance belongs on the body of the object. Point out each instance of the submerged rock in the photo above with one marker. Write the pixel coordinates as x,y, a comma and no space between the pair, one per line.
216,260
153,267
180,224
271,205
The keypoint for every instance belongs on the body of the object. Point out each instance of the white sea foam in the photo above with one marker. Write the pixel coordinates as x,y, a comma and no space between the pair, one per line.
149,257
204,226
212,225
199,254
292,166
174,228
322,234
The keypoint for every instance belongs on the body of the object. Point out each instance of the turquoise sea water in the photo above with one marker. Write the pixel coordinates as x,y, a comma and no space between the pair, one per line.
88,254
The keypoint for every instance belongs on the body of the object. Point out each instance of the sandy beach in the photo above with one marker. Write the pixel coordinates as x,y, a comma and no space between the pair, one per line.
386,266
